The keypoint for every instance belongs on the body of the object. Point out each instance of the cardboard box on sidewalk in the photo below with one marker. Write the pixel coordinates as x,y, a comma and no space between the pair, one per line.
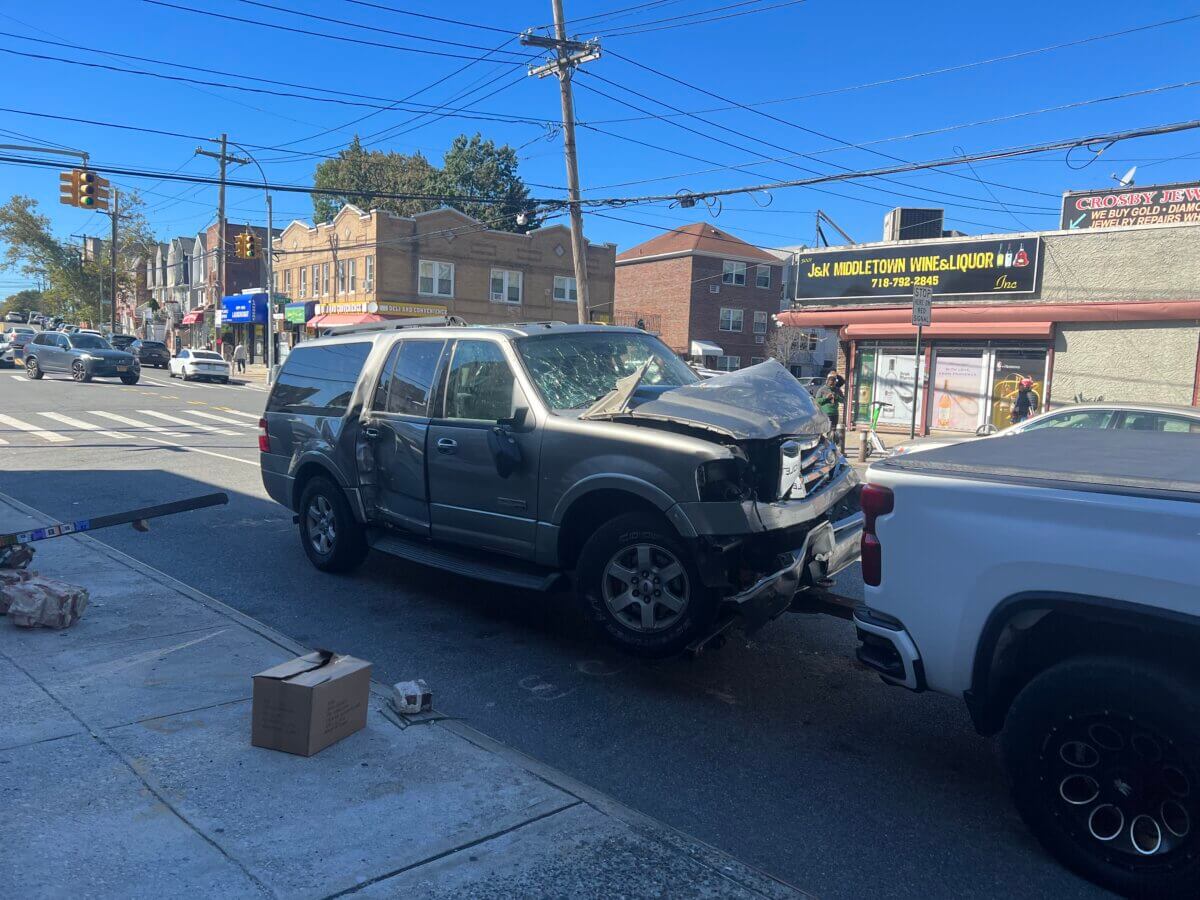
304,705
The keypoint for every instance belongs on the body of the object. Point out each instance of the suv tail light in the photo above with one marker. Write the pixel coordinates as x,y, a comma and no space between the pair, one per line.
876,501
264,441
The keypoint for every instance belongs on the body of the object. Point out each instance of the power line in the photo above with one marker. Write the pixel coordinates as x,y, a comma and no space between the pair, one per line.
638,27
618,13
442,19
308,33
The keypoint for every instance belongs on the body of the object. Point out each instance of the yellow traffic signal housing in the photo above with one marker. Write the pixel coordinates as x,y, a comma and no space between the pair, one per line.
86,190
68,187
239,244
251,245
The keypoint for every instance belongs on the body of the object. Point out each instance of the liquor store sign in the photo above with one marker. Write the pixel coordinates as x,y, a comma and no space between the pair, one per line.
993,268
1162,204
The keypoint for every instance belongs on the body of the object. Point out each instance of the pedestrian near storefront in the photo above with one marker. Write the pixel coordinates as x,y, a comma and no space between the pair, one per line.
1025,403
239,356
829,397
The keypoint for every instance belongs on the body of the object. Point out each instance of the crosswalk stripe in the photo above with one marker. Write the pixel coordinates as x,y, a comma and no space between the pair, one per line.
50,436
178,421
216,418
85,426
18,377
238,412
134,423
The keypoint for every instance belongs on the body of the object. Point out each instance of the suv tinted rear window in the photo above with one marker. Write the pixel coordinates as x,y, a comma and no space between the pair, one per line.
319,380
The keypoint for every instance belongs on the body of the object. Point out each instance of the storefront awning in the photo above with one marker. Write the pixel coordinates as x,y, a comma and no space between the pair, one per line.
245,309
192,318
706,348
1120,311
984,330
328,320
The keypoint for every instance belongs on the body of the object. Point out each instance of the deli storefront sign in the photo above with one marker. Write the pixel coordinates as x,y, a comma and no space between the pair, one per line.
1162,204
995,268
384,308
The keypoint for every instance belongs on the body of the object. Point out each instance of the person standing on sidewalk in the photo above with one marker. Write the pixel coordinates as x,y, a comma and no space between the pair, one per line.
1025,404
239,356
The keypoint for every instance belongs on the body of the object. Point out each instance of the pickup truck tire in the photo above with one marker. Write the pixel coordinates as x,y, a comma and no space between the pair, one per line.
332,539
1104,758
641,587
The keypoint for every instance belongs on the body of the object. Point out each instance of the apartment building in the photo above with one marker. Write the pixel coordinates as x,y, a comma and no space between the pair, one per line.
707,293
367,266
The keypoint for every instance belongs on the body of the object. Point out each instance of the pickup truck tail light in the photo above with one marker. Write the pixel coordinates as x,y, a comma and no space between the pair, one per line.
264,441
876,501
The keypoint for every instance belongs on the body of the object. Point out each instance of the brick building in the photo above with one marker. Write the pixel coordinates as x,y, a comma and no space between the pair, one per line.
705,292
364,266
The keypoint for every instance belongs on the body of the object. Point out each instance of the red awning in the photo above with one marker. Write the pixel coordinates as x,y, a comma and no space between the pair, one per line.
329,319
196,315
883,330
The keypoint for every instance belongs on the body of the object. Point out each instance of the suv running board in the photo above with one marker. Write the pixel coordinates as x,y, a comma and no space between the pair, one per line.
504,570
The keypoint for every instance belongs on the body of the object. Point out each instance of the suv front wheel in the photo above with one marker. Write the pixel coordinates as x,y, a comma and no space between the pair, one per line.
642,588
332,539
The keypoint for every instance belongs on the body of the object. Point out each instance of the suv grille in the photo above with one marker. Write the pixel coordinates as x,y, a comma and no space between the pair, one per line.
818,460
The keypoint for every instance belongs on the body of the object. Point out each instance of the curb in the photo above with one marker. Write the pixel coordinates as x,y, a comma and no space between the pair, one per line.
728,867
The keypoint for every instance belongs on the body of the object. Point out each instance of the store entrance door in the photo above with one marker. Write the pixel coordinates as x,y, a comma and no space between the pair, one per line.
1009,366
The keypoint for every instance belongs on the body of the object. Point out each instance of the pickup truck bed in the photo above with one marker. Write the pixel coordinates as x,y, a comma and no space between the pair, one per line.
1134,463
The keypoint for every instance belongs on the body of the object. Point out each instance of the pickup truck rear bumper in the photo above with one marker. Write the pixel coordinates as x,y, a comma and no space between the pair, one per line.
888,648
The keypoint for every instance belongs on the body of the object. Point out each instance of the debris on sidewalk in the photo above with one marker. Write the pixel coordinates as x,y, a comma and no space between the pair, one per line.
16,556
410,697
31,600
305,704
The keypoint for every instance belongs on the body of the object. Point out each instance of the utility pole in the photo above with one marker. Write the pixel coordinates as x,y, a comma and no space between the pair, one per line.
567,55
112,259
222,158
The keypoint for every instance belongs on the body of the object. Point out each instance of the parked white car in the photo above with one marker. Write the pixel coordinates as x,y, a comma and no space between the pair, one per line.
189,364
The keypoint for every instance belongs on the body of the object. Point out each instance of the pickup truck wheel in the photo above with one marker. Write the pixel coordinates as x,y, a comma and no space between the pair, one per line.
332,539
1104,755
641,586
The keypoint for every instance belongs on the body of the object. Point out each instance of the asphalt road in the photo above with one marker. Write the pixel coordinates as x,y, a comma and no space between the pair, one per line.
782,750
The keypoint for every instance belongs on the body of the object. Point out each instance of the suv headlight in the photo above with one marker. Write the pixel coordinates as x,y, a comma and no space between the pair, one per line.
723,480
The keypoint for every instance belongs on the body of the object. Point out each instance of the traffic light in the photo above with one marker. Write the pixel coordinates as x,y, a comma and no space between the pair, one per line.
251,245
82,188
87,189
68,187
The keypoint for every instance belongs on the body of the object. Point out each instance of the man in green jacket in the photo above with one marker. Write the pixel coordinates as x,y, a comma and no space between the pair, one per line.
830,398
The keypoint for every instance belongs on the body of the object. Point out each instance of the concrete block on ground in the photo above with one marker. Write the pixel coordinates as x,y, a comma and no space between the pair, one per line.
27,714
103,835
378,801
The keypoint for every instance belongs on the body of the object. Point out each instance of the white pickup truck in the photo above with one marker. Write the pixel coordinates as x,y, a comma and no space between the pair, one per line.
1052,581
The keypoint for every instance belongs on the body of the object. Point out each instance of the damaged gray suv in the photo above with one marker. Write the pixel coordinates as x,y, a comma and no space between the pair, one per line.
540,455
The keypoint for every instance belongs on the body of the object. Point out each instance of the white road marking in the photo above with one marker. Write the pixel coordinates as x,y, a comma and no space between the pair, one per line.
238,412
85,426
50,436
135,423
216,418
178,421
18,377
245,462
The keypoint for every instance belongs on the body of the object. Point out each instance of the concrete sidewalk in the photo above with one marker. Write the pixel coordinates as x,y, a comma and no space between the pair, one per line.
126,770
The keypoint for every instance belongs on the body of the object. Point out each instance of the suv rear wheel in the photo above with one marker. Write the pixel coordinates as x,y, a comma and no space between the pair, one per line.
1104,755
641,586
332,539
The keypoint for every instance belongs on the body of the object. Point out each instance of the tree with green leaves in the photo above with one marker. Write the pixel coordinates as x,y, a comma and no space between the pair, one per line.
472,167
22,301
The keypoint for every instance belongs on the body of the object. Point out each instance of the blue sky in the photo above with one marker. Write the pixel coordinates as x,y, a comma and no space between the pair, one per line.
794,49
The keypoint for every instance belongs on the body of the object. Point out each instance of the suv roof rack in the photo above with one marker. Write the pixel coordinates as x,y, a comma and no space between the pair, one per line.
545,323
396,325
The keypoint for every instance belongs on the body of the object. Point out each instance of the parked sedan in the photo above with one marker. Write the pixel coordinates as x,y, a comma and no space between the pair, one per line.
189,364
151,353
83,356
1128,416
17,336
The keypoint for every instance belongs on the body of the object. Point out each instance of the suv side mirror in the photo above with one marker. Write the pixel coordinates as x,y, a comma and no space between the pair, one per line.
516,420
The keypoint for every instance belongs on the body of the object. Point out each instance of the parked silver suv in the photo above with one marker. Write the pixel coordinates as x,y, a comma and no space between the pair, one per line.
531,454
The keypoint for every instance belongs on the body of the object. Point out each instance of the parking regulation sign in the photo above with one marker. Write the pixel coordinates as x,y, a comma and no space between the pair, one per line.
922,305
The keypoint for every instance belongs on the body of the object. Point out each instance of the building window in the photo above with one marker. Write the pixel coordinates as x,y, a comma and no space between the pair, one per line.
506,286
564,289
755,360
287,281
762,276
436,278
733,272
352,267
278,286
324,279
316,280
731,319
341,276
303,281
369,273
760,321
728,363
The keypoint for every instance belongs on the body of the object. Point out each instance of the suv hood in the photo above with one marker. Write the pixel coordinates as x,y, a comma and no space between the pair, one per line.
760,402
116,356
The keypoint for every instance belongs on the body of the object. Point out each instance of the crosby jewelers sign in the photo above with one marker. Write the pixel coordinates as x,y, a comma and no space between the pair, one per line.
1003,267
1160,204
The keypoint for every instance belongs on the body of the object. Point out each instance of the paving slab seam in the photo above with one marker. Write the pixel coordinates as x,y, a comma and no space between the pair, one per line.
99,738
450,851
178,712
717,861
49,740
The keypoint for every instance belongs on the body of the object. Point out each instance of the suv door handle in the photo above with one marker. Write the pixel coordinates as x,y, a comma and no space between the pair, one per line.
447,445
371,432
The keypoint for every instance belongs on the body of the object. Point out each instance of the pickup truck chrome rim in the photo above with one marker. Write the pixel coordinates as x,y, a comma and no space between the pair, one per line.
1121,789
322,530
645,587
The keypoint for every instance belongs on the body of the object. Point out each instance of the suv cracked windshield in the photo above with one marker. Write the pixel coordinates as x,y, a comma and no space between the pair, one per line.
573,371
